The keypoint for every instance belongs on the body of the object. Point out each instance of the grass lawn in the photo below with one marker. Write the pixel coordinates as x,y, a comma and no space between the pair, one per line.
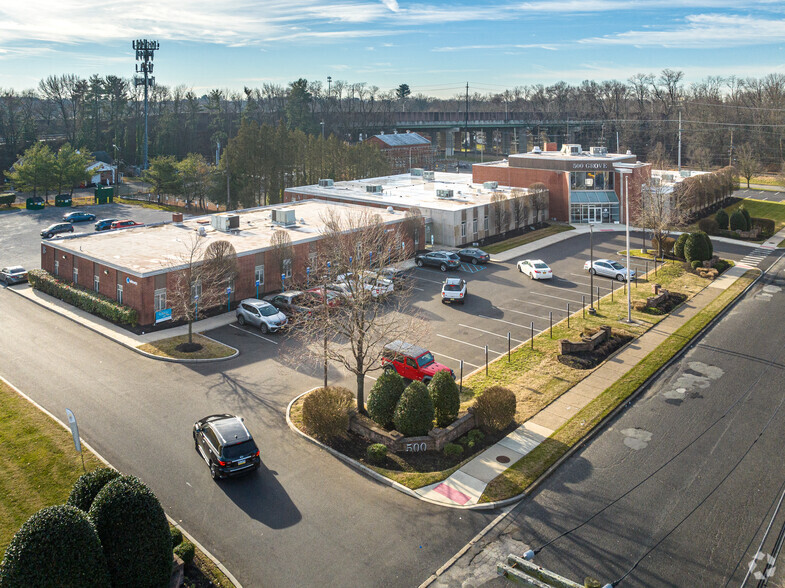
166,348
757,208
523,473
527,238
764,180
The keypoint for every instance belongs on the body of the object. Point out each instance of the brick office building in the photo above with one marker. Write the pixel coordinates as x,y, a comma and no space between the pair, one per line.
405,151
138,266
583,187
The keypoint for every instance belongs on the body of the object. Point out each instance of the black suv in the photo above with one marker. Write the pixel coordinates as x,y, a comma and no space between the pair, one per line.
444,260
56,228
225,444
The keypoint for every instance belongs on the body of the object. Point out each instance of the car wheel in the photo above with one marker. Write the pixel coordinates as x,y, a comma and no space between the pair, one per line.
520,269
474,261
592,271
620,277
213,472
241,320
419,263
426,381
263,327
49,235
443,267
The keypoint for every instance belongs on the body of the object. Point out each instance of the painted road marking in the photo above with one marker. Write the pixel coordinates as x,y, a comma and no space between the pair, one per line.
490,333
558,297
545,318
427,280
254,334
469,344
527,327
455,359
538,304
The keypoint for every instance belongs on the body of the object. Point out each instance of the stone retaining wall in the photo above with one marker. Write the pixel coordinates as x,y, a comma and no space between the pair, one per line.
588,344
435,440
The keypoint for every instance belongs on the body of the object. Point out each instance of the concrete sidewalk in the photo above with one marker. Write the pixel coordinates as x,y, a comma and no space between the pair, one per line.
466,486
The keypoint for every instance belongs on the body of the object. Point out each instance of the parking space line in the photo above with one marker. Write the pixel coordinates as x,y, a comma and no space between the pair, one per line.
490,333
469,344
545,318
254,334
558,297
458,360
538,304
527,327
427,280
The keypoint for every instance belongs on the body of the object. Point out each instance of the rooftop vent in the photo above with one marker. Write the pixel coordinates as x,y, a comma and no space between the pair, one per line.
390,210
444,193
536,150
374,188
600,151
629,152
326,183
490,185
202,232
416,171
284,217
428,175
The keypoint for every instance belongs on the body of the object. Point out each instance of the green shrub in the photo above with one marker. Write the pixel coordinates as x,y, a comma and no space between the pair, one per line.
697,247
376,453
7,199
414,413
87,300
722,219
89,485
695,264
475,436
709,244
177,536
495,408
767,226
721,266
709,225
134,533
384,397
678,247
446,398
737,221
747,218
57,547
326,412
452,450
185,551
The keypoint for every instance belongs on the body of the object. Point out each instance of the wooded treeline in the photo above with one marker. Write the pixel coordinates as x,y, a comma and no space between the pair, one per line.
105,113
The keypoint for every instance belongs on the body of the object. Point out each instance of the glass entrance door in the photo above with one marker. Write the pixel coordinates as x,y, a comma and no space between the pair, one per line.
595,214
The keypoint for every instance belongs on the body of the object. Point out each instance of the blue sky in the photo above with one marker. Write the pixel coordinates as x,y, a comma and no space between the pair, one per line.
435,46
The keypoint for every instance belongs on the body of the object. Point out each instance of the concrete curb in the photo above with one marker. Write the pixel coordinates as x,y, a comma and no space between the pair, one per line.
126,345
174,523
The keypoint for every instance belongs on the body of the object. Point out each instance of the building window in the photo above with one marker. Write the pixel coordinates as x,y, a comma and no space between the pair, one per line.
119,293
287,268
196,289
463,229
75,276
312,261
160,299
474,226
485,224
57,268
259,275
96,283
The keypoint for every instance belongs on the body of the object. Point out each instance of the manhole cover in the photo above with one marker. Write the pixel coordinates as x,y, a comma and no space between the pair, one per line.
502,459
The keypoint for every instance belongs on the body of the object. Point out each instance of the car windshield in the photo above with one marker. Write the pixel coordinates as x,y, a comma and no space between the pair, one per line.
540,266
16,270
268,310
616,265
424,360
453,287
453,256
240,449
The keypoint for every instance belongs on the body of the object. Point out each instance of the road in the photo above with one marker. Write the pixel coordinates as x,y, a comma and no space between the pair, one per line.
722,405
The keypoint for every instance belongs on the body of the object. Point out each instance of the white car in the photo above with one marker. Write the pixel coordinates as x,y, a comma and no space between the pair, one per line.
536,269
609,268
368,280
454,290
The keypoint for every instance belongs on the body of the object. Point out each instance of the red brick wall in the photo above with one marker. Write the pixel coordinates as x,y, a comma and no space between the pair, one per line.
556,182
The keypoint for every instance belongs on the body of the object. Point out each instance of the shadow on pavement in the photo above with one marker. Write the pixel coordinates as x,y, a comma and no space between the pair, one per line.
262,498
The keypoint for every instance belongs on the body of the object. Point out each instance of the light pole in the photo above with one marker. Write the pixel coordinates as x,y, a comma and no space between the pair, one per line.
115,163
329,85
591,269
624,171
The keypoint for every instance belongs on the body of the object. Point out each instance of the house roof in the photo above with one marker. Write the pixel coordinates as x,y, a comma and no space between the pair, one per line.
403,139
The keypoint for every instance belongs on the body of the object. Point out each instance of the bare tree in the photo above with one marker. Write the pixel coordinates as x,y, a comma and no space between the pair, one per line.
201,275
281,251
500,212
662,210
519,208
747,162
539,199
413,223
354,333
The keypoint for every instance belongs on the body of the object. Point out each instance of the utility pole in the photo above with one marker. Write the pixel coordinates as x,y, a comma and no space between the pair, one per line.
679,138
618,149
145,53
468,140
730,158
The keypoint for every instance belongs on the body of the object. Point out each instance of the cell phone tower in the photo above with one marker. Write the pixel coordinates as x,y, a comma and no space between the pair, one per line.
145,49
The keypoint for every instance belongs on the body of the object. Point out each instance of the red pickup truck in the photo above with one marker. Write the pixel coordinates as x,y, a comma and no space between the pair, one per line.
412,362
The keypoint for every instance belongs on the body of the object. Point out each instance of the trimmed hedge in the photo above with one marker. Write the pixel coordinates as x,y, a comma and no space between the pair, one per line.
92,302
185,551
177,536
737,221
678,247
376,453
766,225
57,547
414,413
722,219
695,264
384,397
709,225
495,408
326,412
446,398
747,217
452,450
134,534
697,247
87,487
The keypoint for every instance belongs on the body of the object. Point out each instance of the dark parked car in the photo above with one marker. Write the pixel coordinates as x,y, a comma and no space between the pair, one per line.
125,224
78,216
474,255
56,228
294,304
105,224
444,260
226,445
13,275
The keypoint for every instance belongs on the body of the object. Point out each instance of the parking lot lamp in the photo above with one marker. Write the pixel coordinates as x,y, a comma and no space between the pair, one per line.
624,171
591,269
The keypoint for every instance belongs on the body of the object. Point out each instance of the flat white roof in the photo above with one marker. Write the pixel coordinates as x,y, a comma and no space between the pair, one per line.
410,191
161,248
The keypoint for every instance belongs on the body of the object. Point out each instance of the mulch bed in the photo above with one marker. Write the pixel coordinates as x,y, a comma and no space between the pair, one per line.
587,360
188,347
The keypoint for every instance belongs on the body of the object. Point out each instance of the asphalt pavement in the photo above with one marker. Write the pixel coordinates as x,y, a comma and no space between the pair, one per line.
678,489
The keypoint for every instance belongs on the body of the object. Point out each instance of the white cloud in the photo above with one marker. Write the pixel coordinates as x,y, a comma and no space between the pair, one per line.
391,4
502,47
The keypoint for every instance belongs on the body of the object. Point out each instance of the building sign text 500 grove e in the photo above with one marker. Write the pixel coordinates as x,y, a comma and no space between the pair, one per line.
588,165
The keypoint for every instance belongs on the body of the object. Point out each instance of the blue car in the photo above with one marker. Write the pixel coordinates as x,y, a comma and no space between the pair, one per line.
78,216
104,224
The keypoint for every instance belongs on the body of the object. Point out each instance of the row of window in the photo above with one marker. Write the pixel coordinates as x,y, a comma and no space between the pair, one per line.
96,281
474,226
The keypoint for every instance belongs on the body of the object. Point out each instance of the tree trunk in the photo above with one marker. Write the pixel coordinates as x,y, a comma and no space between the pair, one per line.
325,358
361,394
190,332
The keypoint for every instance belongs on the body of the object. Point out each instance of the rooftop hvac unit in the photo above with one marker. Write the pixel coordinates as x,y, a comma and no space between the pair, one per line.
234,221
220,222
490,185
600,151
373,188
327,183
428,175
416,171
444,193
284,216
